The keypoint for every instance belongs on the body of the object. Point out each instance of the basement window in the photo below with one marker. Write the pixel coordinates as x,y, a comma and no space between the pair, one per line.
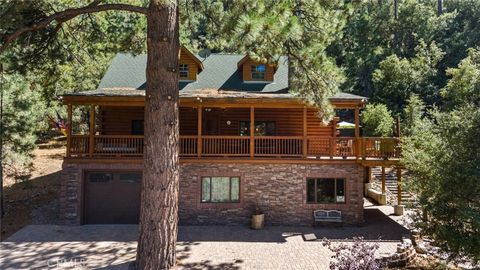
325,190
220,189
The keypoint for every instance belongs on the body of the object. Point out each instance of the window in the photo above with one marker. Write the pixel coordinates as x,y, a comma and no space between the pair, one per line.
130,177
262,128
100,177
325,190
183,71
220,189
258,72
137,127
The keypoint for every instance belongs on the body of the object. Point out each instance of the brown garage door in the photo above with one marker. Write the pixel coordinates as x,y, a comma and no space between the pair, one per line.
112,197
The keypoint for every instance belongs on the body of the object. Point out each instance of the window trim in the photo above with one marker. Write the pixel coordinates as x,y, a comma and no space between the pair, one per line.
335,190
229,190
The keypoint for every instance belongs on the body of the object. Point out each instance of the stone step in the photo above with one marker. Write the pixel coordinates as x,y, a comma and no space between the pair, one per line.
391,184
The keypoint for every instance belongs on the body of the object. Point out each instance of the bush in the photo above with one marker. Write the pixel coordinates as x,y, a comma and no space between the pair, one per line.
377,121
358,256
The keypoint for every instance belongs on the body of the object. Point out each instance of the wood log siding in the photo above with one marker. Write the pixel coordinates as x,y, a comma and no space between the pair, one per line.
289,122
118,120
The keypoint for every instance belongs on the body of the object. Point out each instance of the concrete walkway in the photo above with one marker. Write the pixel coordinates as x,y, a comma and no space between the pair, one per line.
199,247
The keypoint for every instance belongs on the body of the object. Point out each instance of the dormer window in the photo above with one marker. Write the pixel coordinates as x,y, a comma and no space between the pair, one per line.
189,66
255,71
258,72
183,71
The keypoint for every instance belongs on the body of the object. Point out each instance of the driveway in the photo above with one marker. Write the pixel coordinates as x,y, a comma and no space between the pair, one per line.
199,247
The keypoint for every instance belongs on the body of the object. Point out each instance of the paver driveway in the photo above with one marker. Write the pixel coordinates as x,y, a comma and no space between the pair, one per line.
199,247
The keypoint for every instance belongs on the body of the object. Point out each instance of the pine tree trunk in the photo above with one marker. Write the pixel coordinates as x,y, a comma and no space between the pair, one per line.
159,200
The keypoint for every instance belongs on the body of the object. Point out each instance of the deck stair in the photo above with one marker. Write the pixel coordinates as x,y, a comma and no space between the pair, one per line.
391,186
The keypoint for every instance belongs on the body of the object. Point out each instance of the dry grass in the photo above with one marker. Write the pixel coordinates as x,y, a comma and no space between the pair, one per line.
35,200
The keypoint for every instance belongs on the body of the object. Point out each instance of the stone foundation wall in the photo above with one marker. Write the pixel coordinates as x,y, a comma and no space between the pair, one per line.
279,190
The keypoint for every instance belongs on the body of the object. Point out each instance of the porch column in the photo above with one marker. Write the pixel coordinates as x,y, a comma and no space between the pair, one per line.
69,128
333,140
252,132
357,121
383,180
91,131
305,142
199,130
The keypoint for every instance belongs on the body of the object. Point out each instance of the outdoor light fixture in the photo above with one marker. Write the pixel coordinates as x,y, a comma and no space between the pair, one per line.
229,122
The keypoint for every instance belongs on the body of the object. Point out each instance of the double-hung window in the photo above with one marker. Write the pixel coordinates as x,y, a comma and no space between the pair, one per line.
325,190
220,189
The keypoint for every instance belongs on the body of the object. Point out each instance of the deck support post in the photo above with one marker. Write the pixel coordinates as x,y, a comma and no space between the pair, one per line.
383,180
252,131
91,131
399,185
305,142
399,208
199,130
69,128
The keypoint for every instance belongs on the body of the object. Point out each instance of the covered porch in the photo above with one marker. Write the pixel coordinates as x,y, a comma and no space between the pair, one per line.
215,128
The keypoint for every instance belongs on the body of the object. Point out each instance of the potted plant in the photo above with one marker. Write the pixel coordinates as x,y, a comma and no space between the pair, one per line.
258,219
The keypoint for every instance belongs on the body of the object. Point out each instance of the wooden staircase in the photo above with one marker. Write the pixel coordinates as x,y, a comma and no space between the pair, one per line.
392,186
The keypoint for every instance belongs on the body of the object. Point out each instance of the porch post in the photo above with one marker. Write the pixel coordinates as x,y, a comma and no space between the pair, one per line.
333,140
252,132
383,180
69,128
199,130
91,130
305,150
357,121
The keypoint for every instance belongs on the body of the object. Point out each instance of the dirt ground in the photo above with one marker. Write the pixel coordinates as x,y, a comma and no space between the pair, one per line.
35,201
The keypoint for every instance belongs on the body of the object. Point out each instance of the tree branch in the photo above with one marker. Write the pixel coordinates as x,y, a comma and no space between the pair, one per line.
66,15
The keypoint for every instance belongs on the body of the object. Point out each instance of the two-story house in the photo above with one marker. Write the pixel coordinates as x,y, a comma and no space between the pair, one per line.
245,141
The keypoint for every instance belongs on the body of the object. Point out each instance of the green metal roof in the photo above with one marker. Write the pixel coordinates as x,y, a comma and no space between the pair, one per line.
220,72
220,77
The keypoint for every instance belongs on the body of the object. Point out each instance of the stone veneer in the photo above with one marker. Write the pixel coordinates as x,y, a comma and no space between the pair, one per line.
279,189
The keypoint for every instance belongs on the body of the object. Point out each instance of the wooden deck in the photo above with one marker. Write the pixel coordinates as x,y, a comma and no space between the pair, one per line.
257,147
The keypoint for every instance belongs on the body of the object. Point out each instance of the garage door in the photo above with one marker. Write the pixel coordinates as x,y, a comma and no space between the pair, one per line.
112,197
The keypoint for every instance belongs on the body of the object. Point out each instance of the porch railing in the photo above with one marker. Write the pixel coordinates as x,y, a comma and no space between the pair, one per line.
240,146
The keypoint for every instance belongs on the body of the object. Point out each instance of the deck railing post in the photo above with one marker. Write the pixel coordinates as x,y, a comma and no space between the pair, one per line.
252,131
91,131
69,129
305,142
199,130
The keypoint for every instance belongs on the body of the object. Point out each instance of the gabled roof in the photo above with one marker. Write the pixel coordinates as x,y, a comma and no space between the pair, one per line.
220,78
193,57
220,72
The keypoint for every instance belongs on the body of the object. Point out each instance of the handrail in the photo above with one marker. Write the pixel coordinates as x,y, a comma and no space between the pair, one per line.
235,146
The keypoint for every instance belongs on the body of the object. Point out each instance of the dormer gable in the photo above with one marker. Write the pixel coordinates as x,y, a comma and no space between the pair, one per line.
188,66
255,71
